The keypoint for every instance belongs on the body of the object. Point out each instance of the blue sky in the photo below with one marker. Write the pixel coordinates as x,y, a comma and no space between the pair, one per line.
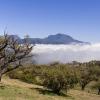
40,18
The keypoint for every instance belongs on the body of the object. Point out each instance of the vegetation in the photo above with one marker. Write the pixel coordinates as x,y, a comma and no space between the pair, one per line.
97,86
86,75
13,89
24,74
57,77
12,54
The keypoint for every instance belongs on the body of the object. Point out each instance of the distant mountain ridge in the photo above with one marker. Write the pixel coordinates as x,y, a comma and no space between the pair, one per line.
51,39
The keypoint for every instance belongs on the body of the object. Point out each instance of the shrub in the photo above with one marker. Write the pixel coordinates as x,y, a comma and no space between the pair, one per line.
59,78
15,74
24,74
88,74
97,86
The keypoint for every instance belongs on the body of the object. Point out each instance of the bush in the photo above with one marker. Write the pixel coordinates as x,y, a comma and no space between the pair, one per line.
15,74
24,74
88,74
97,86
59,78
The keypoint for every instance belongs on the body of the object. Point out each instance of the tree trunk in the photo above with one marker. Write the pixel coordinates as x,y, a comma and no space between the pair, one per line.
57,91
99,91
0,76
83,87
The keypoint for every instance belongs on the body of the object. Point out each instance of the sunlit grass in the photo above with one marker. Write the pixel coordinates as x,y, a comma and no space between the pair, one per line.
11,89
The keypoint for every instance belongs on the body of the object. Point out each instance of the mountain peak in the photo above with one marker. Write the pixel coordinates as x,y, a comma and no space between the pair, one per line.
58,38
61,39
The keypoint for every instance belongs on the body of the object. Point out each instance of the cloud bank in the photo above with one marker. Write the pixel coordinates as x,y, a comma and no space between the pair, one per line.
66,53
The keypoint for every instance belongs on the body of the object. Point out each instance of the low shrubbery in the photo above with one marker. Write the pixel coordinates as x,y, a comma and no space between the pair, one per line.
59,77
23,74
96,86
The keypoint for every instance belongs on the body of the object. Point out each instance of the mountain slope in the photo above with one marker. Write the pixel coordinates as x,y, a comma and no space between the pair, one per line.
60,39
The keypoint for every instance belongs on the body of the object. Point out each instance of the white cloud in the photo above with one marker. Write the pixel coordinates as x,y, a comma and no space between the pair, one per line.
66,53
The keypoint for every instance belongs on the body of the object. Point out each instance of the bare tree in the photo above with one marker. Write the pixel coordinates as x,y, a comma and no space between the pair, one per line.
12,53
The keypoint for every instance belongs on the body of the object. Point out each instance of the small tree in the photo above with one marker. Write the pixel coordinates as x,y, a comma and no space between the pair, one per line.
59,78
97,86
96,71
12,53
87,74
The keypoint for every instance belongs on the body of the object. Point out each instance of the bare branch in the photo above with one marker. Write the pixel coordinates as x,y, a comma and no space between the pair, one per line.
12,53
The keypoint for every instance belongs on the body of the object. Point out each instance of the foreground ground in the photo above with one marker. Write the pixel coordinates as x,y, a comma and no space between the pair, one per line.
11,89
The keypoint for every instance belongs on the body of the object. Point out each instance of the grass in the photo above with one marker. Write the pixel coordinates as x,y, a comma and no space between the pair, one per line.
11,89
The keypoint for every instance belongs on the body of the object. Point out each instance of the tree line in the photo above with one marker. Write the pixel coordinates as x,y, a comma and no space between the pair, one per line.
61,77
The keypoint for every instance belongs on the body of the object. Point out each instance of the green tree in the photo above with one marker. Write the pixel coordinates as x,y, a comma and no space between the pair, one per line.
88,72
59,78
97,86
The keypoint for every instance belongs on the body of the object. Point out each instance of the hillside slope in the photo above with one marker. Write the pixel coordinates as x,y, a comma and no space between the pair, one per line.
12,89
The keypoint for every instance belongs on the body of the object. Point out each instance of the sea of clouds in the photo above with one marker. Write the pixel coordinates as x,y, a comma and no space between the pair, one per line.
45,54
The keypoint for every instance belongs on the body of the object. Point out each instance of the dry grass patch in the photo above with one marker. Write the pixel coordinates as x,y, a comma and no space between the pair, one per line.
12,89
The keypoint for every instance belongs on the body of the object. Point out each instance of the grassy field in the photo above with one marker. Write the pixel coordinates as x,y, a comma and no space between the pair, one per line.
12,89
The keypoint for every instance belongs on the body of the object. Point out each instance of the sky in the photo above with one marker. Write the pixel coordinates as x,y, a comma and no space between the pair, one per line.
40,18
